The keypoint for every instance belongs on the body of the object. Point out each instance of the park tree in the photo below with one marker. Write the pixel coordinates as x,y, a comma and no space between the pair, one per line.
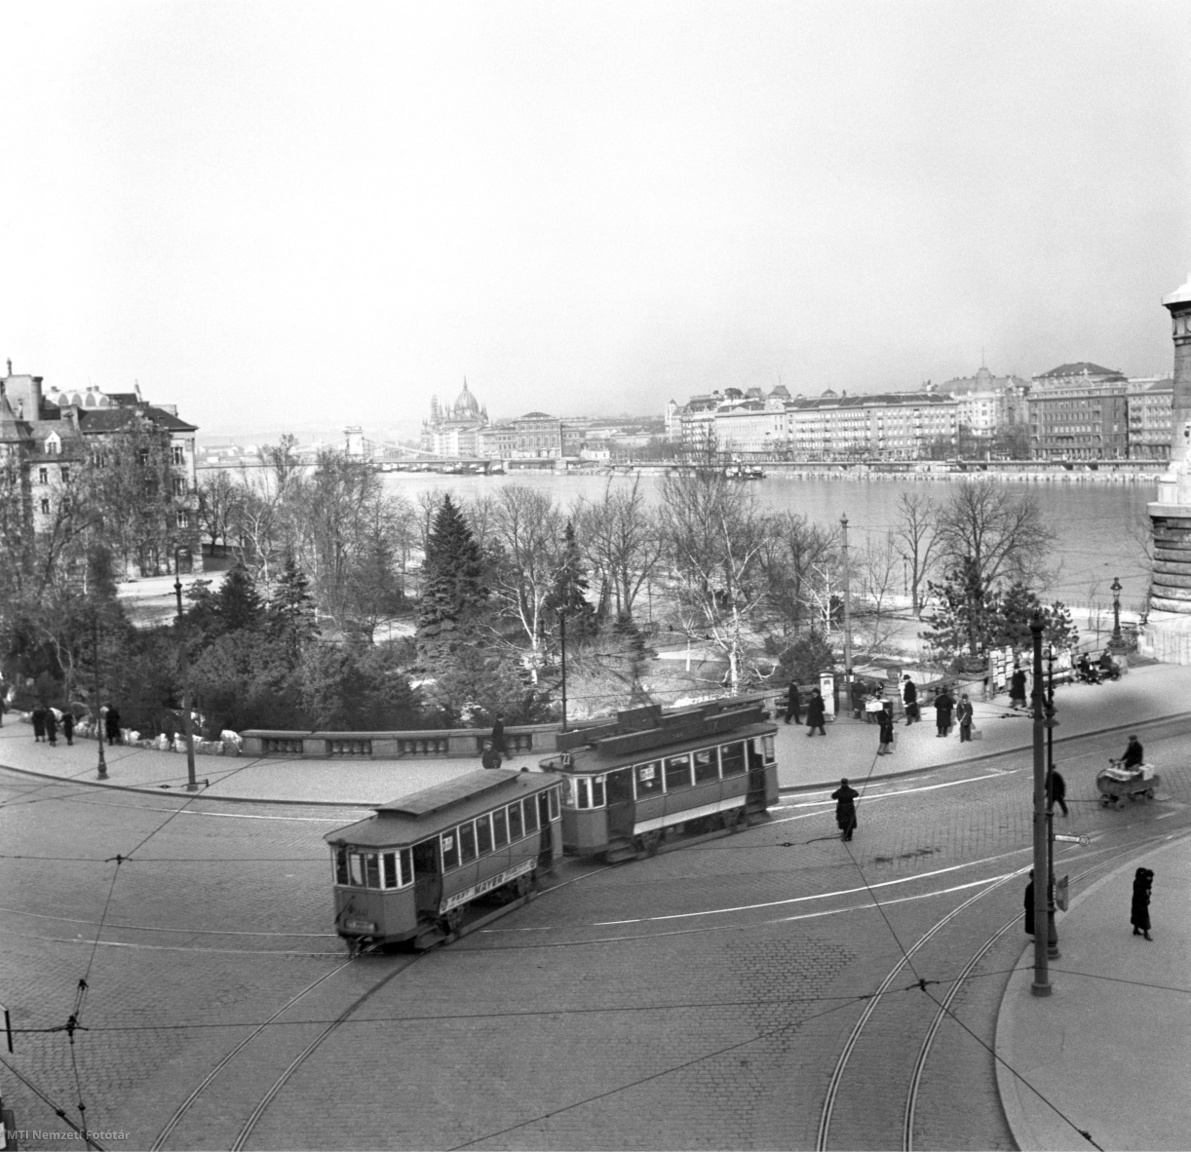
454,596
715,537
795,553
219,498
568,593
291,611
916,539
622,544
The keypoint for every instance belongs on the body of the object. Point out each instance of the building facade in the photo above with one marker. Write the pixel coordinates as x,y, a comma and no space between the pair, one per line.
455,431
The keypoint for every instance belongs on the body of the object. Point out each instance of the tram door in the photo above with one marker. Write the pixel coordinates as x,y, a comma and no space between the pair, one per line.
756,795
619,792
427,877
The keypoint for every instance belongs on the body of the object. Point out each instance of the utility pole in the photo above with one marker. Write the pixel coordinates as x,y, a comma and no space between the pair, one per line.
847,616
184,657
1052,933
562,642
1041,985
103,767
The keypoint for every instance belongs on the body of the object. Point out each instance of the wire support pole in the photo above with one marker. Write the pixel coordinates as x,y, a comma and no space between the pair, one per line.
184,657
102,773
847,609
1041,985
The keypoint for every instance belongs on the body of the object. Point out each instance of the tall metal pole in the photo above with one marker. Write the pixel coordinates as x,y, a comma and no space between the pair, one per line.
1041,985
187,724
103,767
847,614
562,640
1052,933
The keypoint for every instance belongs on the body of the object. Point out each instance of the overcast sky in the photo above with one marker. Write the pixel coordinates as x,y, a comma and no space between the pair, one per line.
337,210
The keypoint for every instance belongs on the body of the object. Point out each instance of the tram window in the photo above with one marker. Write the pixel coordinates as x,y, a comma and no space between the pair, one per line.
357,869
553,803
467,842
707,765
619,787
530,807
571,792
341,866
371,871
597,791
732,759
767,749
391,877
500,828
582,792
649,778
407,866
484,835
678,772
515,830
450,851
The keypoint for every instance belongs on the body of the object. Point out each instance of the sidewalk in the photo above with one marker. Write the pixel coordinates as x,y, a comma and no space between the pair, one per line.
849,749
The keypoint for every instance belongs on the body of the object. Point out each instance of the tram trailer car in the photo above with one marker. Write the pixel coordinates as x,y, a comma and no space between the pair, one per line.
415,870
650,775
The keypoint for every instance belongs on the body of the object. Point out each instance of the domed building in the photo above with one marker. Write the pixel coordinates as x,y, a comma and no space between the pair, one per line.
454,431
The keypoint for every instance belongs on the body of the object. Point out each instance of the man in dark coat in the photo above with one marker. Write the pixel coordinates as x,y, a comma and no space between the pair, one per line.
111,724
51,727
38,718
944,702
490,758
963,713
814,714
910,699
1134,755
1058,790
68,727
794,705
498,737
1139,909
1030,905
845,809
885,739
1017,689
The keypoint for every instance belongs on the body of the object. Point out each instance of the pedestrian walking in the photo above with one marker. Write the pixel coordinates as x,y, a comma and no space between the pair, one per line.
794,705
498,737
944,703
1017,688
845,809
814,714
51,727
963,714
111,724
68,727
1030,905
885,736
1058,790
910,699
1139,910
38,718
490,758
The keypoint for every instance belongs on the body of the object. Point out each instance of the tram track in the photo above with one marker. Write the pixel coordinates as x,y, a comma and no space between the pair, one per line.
192,1127
869,1120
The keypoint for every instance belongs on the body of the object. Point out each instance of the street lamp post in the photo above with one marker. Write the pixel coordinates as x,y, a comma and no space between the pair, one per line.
1116,644
847,616
187,724
1052,934
1041,985
562,644
103,767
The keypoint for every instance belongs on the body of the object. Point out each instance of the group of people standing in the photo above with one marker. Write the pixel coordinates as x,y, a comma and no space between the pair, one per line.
48,721
816,710
495,750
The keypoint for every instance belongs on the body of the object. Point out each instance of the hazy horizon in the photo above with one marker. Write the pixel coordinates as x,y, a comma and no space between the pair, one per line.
254,209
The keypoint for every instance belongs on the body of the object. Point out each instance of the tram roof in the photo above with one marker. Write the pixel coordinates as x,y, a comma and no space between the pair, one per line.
421,814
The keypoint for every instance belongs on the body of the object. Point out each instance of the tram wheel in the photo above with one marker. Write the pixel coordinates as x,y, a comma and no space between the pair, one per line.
451,921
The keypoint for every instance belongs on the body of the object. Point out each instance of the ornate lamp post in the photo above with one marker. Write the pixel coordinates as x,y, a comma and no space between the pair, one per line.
187,724
103,767
1116,644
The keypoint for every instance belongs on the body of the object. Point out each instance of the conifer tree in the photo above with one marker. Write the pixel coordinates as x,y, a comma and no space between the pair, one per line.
237,603
291,608
569,593
453,591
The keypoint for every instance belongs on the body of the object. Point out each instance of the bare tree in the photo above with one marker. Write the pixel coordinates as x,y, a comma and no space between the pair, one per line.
794,553
715,538
916,539
876,569
621,543
219,498
527,542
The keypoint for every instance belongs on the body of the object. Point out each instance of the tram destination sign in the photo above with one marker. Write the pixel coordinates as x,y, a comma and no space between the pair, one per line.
483,886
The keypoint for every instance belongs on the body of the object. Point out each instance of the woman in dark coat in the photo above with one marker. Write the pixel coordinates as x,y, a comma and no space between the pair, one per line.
944,702
845,809
111,723
1017,689
38,718
814,713
51,727
1139,912
885,738
68,727
1030,905
910,699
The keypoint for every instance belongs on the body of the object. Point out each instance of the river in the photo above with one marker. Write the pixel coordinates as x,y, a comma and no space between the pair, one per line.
1095,525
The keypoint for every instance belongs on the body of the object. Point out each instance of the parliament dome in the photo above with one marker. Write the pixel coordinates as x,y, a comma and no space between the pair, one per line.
465,407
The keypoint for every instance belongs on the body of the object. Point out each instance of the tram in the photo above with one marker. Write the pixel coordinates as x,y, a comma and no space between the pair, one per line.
653,776
441,862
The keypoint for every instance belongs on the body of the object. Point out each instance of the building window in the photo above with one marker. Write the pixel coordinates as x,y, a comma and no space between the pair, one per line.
179,454
65,471
183,519
179,486
43,475
45,506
